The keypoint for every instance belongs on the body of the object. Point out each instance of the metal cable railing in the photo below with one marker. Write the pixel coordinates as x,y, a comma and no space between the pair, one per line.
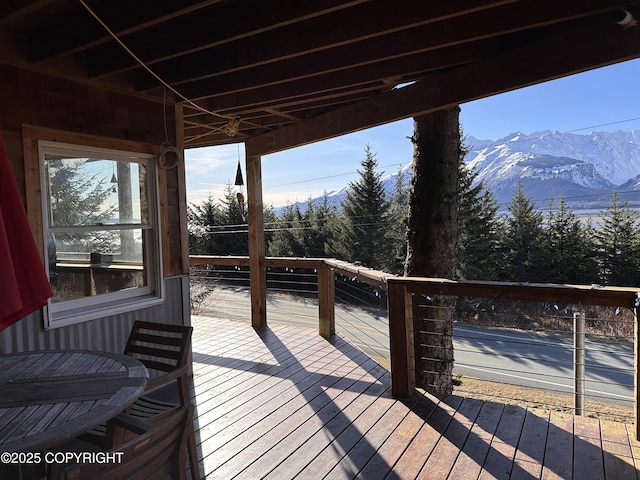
535,356
508,351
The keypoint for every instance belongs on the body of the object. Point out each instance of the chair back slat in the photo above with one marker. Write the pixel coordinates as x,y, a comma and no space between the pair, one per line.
158,366
153,351
159,346
158,339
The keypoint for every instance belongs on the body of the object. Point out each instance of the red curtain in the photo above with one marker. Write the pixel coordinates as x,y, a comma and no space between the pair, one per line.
24,286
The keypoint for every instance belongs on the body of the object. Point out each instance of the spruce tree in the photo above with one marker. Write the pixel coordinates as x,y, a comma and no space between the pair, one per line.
398,211
287,239
617,240
203,219
569,248
480,229
322,218
233,236
522,242
363,233
298,234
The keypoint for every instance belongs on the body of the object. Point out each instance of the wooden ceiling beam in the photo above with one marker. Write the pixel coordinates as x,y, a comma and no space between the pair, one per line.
212,28
303,101
431,33
283,101
310,75
10,13
572,51
361,22
81,31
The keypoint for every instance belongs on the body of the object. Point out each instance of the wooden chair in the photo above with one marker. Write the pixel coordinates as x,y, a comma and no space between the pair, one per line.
155,453
164,349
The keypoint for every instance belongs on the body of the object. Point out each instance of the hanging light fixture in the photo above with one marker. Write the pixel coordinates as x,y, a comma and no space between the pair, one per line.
239,179
113,175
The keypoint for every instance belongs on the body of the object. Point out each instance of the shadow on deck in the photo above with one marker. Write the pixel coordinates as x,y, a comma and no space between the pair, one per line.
283,402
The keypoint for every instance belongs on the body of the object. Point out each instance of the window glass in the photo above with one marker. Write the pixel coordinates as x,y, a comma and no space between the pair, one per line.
101,237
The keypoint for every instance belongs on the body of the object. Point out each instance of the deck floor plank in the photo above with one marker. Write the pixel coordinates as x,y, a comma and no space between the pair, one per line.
324,416
558,457
499,462
393,447
283,403
469,463
333,421
445,453
531,446
588,462
635,447
436,419
618,458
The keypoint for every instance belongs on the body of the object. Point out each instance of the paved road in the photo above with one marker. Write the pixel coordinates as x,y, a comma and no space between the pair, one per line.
546,361
508,356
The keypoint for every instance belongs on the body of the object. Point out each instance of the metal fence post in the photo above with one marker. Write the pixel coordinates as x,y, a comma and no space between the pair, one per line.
578,361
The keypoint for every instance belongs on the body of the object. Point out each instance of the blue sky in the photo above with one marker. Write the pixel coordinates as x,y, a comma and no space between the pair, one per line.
605,99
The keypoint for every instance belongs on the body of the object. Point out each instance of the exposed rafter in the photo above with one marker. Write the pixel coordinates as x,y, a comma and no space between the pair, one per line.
287,68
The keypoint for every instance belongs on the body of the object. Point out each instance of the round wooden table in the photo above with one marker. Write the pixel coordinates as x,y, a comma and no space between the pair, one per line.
49,397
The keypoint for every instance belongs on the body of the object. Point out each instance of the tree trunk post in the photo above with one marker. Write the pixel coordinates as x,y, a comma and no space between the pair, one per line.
432,235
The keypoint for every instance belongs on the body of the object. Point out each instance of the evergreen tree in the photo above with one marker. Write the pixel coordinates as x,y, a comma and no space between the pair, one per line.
363,233
618,244
569,246
480,229
270,223
219,228
398,211
233,239
203,219
287,239
322,216
79,197
522,242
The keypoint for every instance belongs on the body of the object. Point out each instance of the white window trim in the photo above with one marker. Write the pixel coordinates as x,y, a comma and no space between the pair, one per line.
83,309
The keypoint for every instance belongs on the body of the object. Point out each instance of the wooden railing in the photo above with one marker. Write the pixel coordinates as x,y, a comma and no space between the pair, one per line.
401,291
327,268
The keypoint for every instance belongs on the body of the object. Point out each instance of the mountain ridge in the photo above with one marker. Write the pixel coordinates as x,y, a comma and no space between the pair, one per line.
584,169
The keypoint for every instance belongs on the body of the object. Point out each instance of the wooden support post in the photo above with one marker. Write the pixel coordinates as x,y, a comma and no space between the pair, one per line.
182,189
401,340
636,374
578,362
326,300
257,269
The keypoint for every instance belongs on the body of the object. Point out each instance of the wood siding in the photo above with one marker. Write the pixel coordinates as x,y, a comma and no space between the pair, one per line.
41,101
108,333
41,104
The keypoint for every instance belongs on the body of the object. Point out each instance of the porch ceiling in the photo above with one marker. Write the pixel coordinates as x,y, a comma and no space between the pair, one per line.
297,71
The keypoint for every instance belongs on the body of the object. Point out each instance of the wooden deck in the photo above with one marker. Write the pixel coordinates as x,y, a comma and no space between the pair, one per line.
284,403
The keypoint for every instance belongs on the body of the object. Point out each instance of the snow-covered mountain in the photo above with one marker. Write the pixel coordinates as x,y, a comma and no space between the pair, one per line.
582,169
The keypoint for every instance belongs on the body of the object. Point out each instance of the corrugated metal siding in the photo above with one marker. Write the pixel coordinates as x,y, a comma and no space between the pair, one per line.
106,334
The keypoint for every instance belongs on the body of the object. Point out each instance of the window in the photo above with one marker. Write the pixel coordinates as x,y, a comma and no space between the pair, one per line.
100,225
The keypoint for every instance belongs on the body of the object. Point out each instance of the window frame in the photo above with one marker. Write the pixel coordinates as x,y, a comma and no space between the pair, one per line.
79,310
